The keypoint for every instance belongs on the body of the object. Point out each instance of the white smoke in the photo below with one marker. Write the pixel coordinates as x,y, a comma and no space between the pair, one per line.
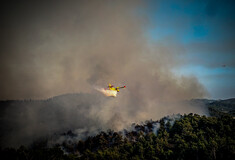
156,127
107,92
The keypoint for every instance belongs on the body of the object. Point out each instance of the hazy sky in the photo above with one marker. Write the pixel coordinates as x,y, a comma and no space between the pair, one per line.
205,30
55,47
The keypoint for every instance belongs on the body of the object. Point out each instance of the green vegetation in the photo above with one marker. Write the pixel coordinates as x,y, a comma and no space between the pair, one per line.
191,137
217,108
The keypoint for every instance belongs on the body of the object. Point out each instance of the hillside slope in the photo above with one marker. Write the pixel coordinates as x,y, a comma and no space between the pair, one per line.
190,137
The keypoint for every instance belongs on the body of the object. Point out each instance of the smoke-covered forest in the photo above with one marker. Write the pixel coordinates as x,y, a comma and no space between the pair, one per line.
188,136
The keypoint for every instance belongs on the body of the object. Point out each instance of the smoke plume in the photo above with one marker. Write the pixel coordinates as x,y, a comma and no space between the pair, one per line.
107,92
58,47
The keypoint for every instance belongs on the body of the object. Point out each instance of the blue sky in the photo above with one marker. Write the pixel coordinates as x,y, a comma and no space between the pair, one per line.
205,29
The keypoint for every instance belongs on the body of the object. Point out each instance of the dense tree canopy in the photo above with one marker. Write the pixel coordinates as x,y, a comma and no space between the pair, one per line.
190,137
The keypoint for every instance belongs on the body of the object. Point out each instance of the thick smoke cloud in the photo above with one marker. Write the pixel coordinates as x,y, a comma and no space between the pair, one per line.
52,48
57,47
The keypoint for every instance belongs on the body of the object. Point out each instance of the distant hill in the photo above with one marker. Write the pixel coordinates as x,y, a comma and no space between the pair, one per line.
22,121
217,107
85,100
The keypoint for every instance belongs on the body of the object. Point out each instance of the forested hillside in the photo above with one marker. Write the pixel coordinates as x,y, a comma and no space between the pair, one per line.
189,137
217,107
